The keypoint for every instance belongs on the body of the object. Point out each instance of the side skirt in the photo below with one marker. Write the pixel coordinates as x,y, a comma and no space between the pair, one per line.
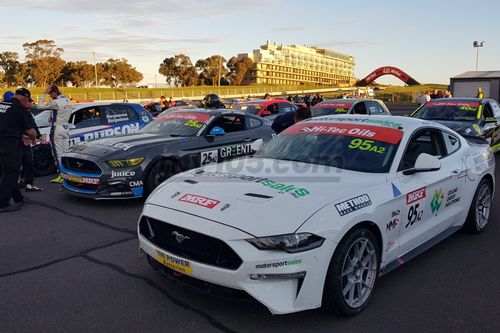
419,249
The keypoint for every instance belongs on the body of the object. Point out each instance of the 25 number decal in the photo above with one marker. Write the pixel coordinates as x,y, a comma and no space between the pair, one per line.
414,215
209,157
366,145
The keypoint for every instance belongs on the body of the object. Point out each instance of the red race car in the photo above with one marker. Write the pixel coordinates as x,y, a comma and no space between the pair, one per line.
270,108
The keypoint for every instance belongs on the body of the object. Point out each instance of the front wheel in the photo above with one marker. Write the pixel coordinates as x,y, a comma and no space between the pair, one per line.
479,211
161,171
352,273
43,160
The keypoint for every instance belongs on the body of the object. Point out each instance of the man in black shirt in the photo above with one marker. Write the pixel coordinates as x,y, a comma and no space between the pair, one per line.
15,121
287,119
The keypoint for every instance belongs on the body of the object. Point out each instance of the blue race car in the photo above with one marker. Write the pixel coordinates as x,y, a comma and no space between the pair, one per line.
89,121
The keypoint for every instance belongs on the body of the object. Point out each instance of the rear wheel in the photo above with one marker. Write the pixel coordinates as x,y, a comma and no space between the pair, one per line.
352,273
161,171
479,211
43,161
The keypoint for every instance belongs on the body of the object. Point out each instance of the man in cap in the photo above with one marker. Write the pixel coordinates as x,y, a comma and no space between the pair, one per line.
61,111
15,122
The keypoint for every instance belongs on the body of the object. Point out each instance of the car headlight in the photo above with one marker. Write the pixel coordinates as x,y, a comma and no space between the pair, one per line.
291,243
125,163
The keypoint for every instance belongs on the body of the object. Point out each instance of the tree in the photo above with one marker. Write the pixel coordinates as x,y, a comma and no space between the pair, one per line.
13,70
212,69
79,74
44,61
118,73
179,71
239,69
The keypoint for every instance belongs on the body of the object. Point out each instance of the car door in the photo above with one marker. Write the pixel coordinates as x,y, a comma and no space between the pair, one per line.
430,200
236,140
495,138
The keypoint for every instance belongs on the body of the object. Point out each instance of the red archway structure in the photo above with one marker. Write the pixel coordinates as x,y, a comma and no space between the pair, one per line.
387,70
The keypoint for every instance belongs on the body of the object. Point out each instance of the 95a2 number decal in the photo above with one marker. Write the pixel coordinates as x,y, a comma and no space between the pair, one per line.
414,215
366,145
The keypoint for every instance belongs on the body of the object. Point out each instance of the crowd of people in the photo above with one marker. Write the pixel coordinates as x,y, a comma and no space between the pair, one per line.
18,132
433,94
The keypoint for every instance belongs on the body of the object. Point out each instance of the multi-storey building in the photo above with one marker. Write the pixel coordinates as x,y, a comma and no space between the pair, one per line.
296,64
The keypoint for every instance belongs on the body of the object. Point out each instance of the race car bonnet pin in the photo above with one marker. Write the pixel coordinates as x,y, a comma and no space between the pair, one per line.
353,204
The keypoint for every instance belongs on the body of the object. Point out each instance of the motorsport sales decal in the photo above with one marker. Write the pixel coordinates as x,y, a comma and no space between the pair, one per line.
385,134
283,263
353,204
287,188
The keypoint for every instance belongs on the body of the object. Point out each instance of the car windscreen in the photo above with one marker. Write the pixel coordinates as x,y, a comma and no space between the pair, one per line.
178,124
250,108
448,110
326,108
42,119
356,147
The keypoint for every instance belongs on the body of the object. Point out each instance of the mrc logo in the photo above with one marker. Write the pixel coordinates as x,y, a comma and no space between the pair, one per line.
199,200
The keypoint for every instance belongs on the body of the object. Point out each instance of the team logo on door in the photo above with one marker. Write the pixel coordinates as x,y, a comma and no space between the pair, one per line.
415,196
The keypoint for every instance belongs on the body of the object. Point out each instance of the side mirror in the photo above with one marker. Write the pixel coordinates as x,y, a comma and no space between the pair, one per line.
424,163
216,131
257,145
266,113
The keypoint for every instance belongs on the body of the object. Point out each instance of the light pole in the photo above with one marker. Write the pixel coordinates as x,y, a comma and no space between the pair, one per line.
95,70
477,45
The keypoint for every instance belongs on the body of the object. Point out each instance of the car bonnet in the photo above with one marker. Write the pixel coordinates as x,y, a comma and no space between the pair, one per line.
268,201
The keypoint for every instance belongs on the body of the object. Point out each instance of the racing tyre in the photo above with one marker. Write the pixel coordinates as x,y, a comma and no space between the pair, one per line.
161,171
43,161
352,273
479,211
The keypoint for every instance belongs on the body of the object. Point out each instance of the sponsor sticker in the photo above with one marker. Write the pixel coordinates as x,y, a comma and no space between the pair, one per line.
278,264
116,174
199,200
193,116
81,180
437,201
363,131
452,197
177,264
464,106
353,204
415,196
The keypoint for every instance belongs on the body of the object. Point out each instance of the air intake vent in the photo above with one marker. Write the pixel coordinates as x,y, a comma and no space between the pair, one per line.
256,195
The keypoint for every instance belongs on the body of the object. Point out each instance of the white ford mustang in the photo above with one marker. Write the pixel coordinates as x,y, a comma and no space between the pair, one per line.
321,211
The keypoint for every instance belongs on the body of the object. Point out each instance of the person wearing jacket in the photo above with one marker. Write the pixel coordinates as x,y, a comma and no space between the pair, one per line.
61,108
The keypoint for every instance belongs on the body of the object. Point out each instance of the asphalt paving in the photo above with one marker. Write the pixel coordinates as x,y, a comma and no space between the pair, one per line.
69,264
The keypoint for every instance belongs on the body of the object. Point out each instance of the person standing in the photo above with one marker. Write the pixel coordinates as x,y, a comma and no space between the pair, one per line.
287,119
479,92
426,96
59,133
27,167
16,125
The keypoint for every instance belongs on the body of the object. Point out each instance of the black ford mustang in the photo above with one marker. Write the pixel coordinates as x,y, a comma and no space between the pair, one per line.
469,117
132,166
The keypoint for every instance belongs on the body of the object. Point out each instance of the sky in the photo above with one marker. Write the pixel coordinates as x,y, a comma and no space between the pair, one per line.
429,40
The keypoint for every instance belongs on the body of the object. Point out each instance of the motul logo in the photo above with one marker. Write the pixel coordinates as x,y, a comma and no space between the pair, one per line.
415,195
199,200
